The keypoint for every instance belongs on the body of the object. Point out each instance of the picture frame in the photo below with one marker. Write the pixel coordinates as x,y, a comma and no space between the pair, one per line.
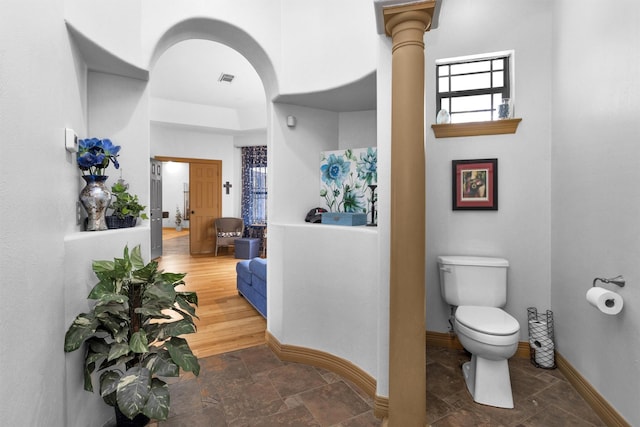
475,184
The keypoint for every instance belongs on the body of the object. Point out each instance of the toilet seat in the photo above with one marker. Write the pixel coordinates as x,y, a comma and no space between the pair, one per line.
487,325
487,320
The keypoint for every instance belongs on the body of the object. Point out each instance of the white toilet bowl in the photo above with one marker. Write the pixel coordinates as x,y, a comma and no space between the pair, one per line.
491,335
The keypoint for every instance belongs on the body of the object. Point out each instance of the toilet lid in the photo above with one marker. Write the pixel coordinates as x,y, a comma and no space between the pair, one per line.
488,320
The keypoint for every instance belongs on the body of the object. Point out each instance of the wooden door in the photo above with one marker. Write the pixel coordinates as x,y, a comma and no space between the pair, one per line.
155,209
206,205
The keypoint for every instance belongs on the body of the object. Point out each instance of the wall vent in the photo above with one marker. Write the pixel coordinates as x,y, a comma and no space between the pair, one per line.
226,78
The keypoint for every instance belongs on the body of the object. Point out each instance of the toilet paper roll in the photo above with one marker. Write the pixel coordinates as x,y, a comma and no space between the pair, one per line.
538,330
604,300
545,357
544,343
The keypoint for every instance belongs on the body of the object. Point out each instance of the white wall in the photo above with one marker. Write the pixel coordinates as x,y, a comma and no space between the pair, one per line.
312,44
326,288
199,143
519,230
118,109
357,129
100,19
596,201
327,300
39,185
294,160
175,176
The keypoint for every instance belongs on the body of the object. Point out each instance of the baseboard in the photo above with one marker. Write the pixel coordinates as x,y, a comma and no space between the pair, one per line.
342,367
605,411
381,407
450,341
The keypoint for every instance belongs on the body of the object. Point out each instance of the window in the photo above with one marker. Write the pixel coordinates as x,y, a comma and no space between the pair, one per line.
254,185
472,88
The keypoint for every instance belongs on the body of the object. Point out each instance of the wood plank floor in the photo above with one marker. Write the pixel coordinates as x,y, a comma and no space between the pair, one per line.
227,321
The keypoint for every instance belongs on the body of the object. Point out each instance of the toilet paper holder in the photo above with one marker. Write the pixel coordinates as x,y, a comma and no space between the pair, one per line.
618,280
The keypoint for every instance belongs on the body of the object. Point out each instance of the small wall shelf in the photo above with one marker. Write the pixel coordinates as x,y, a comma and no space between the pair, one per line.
495,127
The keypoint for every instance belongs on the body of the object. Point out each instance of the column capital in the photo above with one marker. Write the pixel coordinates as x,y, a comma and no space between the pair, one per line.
391,12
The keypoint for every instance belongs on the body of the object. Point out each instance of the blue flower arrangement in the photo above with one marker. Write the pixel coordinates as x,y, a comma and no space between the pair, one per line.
345,177
94,155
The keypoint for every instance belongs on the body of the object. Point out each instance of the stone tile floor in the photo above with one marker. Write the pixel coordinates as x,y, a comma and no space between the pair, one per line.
252,387
542,397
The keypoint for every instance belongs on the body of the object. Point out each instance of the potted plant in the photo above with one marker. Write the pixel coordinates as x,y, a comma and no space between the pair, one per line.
126,208
132,335
94,157
178,219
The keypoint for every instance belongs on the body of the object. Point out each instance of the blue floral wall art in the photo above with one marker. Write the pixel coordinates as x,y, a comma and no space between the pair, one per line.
345,176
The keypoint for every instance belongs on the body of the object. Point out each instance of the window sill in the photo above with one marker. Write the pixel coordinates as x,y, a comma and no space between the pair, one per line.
495,127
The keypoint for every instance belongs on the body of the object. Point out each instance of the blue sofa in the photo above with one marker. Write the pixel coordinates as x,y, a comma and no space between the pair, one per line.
251,281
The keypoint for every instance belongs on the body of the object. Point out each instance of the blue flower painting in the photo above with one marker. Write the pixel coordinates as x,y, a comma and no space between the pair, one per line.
345,177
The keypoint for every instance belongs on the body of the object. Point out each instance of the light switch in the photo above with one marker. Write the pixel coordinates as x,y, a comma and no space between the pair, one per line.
70,140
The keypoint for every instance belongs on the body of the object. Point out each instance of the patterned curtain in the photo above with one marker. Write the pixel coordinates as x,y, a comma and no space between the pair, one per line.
254,185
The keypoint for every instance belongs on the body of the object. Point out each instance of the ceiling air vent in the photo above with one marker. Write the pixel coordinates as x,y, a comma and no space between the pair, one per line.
226,78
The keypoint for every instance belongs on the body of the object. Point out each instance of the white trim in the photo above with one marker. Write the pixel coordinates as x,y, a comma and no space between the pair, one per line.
479,56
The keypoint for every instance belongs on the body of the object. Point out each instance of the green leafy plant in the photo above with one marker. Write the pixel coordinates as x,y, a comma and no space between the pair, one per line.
132,334
126,204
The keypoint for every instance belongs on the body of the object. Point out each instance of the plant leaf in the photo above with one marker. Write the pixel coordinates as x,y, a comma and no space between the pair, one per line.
112,298
180,327
103,266
161,364
184,314
153,332
174,278
157,406
108,386
138,342
83,327
189,297
118,349
146,274
103,287
160,293
98,345
136,258
181,354
88,380
133,391
152,312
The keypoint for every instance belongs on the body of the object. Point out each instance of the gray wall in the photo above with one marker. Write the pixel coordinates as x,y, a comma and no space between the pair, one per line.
519,230
595,202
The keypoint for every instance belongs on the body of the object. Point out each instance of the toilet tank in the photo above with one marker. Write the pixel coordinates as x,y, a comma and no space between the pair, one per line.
472,280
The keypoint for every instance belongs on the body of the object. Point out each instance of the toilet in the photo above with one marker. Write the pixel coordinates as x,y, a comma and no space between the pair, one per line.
477,288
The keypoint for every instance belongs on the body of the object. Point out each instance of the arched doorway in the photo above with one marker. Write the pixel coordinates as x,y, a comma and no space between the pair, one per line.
206,100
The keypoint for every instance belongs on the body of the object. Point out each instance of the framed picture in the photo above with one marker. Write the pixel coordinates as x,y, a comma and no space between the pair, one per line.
475,184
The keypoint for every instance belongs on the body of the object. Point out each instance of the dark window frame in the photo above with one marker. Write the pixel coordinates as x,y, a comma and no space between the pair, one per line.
504,90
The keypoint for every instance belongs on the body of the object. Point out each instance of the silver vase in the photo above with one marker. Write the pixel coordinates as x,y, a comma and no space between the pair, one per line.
95,198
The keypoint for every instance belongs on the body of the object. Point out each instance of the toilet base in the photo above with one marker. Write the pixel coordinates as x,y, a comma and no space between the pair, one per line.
488,381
